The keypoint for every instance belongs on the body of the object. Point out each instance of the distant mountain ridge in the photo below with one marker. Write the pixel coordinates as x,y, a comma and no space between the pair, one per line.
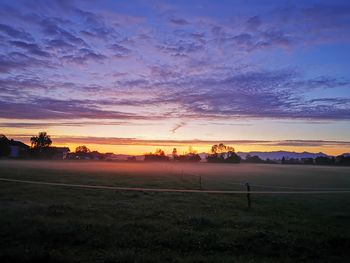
274,155
277,155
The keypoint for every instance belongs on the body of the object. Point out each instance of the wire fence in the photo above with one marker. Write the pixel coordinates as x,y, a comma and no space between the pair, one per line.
200,190
287,189
193,183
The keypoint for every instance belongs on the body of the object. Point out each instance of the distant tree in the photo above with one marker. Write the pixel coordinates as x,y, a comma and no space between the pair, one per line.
5,148
131,159
270,161
307,160
222,153
191,150
159,152
321,160
83,152
174,154
192,157
82,149
293,161
221,149
283,161
41,141
157,156
232,157
342,160
253,159
95,155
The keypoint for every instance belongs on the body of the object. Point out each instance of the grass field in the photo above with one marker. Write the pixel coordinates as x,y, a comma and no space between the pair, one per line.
60,224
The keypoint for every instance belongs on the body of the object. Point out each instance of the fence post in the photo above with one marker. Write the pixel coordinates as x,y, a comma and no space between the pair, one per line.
248,194
200,182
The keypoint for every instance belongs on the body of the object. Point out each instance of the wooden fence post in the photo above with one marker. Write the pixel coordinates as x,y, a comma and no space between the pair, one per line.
248,194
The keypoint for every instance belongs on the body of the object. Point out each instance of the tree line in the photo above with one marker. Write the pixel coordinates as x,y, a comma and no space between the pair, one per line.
219,153
41,148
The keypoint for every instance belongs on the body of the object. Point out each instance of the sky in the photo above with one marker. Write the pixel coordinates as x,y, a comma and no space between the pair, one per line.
130,76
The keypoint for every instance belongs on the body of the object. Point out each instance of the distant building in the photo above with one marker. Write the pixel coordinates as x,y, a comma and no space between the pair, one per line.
94,155
18,149
60,152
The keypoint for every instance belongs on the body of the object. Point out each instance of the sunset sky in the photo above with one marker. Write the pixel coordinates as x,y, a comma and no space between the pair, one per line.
130,76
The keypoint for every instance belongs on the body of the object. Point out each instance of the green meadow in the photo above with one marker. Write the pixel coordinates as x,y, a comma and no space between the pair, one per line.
43,223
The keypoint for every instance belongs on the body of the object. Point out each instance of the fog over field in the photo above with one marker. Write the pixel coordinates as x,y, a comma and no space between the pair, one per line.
214,176
56,223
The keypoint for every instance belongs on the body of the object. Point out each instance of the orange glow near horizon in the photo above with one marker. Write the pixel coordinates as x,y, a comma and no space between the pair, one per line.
142,149
101,140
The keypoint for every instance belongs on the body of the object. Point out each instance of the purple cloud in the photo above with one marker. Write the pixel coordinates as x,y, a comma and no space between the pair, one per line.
15,33
45,108
19,61
120,51
179,21
33,49
84,55
210,67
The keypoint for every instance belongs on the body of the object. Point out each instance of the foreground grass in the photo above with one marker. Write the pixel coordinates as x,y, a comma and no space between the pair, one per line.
55,224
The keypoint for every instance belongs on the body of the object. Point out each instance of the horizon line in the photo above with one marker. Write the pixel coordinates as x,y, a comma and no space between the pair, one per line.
178,142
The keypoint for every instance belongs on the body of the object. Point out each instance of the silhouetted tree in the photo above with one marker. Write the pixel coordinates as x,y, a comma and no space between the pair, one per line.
95,155
131,159
307,160
342,160
253,159
159,155
5,148
221,149
82,149
159,152
41,141
232,157
174,154
191,150
222,153
321,160
83,152
190,156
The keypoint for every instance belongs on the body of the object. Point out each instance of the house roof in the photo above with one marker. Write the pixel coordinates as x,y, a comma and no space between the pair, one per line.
18,143
62,149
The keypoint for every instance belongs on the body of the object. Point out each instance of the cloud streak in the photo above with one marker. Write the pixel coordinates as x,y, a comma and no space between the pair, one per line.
177,126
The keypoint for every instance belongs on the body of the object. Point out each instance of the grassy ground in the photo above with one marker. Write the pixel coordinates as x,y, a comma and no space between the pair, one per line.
57,224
